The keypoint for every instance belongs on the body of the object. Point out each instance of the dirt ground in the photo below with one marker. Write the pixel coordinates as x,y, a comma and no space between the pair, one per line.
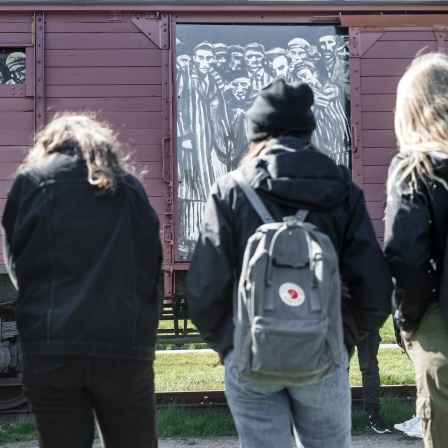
394,440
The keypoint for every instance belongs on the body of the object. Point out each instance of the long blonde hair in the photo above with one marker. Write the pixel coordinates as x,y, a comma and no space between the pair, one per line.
421,120
94,140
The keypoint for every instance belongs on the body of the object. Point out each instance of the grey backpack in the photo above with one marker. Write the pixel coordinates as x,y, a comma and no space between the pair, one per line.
288,322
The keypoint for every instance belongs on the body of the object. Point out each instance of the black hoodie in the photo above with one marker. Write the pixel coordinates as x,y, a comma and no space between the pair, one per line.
288,175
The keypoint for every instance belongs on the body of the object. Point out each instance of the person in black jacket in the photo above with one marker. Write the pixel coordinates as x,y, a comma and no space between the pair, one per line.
416,235
288,173
82,246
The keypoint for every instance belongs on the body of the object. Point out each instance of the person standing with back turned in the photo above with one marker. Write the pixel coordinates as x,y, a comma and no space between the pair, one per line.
82,246
289,174
416,235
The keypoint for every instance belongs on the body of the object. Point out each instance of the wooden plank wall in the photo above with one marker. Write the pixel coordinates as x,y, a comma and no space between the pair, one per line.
381,68
96,64
111,67
16,109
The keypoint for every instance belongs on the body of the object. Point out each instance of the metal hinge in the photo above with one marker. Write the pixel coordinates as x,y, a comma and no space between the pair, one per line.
115,16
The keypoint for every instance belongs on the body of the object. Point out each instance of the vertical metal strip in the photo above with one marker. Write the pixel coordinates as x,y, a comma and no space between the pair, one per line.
440,33
39,81
167,160
355,104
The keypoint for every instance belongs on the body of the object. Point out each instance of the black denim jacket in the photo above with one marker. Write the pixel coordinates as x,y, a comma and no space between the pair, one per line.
86,266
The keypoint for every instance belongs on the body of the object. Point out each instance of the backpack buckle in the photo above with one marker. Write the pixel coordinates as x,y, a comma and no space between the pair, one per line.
290,221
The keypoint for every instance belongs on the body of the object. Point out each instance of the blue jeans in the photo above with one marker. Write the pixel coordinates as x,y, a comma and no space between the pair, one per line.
68,393
320,414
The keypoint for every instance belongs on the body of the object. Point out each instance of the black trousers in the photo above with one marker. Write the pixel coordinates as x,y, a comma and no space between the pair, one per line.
67,393
368,364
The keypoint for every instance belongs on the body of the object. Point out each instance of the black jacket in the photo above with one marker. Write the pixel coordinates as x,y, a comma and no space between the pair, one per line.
415,238
287,179
86,266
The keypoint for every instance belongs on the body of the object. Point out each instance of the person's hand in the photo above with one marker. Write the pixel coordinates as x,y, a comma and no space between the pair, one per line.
407,335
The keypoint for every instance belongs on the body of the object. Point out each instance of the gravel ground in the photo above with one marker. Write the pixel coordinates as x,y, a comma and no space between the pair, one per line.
394,440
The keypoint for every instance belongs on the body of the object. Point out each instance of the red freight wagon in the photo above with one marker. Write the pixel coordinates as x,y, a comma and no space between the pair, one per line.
175,79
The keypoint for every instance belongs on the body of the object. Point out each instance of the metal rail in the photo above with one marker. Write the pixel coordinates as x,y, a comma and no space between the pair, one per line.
198,399
405,392
216,399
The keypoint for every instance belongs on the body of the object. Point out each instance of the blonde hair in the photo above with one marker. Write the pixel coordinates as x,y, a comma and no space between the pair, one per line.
254,150
421,120
94,140
256,146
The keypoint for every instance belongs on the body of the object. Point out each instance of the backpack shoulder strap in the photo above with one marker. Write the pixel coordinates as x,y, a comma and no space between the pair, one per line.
252,196
301,215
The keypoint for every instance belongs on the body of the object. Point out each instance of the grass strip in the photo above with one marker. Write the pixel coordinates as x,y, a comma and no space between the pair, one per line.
387,333
22,430
202,370
181,421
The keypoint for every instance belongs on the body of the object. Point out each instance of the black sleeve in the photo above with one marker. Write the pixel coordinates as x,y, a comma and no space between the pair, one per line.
364,269
8,225
210,280
408,251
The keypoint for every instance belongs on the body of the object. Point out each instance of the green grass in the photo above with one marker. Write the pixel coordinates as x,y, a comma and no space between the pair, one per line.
22,430
387,332
204,371
393,411
190,346
179,421
167,327
177,371
395,368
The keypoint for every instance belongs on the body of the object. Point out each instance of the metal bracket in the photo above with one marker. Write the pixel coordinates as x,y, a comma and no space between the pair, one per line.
33,29
362,39
168,281
39,72
155,26
440,32
356,50
167,233
115,16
